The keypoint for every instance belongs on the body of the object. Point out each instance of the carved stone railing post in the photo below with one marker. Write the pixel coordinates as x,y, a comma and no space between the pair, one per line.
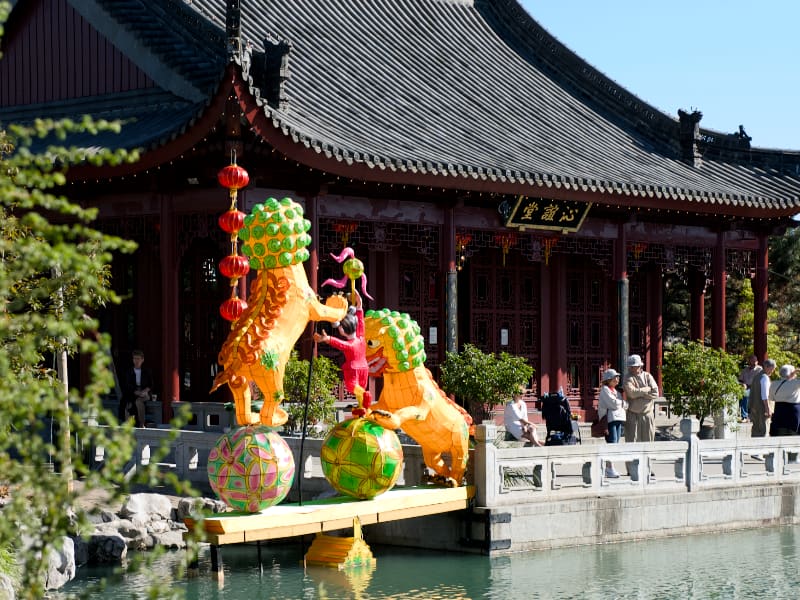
689,430
486,484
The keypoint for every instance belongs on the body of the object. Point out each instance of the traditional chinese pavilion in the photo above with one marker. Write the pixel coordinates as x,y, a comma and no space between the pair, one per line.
499,189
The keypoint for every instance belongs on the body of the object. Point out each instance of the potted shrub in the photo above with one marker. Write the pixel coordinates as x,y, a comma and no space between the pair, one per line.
701,381
481,381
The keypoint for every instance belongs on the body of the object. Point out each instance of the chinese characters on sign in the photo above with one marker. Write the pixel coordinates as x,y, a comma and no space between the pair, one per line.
542,213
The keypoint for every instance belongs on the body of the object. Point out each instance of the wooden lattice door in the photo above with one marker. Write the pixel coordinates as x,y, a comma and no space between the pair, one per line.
202,329
420,294
588,319
504,305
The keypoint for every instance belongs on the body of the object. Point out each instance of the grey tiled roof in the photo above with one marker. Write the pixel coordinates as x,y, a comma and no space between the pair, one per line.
479,90
470,90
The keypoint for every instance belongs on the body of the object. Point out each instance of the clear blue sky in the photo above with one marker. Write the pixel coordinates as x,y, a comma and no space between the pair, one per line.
736,61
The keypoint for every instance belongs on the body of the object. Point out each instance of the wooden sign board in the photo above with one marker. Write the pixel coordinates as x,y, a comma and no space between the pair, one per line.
543,213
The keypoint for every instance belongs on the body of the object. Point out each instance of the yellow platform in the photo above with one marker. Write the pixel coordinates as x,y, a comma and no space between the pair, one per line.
318,516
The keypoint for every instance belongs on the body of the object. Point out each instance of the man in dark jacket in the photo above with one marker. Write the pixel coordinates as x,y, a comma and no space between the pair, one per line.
136,388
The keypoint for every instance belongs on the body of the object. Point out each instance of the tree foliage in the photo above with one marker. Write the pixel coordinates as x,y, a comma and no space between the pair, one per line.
481,381
324,377
784,294
54,273
700,380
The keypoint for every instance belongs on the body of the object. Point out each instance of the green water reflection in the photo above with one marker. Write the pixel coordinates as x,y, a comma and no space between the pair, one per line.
703,566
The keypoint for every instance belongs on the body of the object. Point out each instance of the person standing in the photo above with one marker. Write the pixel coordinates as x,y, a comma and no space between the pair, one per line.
515,419
785,393
746,378
136,388
641,392
758,405
612,406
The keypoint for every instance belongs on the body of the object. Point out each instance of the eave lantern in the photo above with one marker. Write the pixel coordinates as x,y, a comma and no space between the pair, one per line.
233,266
506,241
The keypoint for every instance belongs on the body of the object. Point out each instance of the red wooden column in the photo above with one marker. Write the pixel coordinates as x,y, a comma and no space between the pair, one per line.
553,326
170,359
312,269
655,308
621,277
697,302
760,285
718,297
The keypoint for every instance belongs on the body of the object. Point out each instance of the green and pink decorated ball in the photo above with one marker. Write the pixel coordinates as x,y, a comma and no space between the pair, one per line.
251,468
361,459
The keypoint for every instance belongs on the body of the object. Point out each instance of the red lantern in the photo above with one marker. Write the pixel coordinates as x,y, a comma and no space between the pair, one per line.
234,266
231,221
232,309
233,177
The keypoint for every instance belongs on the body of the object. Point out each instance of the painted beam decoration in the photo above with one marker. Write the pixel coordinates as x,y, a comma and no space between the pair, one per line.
543,213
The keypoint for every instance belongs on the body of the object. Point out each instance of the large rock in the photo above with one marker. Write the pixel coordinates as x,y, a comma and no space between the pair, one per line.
155,505
189,506
172,539
81,551
107,548
60,564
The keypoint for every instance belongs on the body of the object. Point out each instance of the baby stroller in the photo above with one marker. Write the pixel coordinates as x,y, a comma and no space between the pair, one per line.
562,429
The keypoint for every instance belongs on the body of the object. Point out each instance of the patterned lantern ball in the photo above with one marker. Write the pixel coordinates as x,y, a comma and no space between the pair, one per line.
361,459
251,468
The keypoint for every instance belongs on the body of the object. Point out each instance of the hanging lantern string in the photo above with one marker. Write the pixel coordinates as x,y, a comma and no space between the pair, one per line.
234,266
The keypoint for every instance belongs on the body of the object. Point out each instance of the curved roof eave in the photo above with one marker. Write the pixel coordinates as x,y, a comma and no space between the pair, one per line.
166,149
308,151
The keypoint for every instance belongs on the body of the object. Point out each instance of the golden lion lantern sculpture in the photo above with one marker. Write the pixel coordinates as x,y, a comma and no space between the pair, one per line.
411,400
281,303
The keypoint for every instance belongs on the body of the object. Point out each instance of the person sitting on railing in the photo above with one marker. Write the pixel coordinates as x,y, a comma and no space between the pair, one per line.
515,419
786,394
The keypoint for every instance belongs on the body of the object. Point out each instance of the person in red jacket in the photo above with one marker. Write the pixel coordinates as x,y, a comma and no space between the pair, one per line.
352,344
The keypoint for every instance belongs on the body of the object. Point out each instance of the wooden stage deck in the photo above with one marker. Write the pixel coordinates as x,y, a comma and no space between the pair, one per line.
318,516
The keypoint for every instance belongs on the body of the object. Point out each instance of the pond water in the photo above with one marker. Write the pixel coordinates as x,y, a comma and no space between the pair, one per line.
759,563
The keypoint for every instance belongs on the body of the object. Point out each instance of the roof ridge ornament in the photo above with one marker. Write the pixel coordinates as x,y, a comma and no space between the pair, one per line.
689,136
233,29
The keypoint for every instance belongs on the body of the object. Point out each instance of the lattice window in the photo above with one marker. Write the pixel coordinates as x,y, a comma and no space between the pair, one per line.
741,263
335,234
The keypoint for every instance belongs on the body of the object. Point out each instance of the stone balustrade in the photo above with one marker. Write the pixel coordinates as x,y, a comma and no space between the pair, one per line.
554,496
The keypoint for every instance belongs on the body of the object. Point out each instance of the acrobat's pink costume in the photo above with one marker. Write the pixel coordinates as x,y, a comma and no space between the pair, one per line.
355,370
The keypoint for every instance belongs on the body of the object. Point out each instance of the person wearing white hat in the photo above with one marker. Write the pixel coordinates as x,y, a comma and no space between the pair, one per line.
641,392
612,406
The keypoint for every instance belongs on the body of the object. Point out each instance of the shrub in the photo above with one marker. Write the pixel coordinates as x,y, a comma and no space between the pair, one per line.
481,381
701,381
324,378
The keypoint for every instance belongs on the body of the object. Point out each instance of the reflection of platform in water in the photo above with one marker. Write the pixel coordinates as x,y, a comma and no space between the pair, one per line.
317,516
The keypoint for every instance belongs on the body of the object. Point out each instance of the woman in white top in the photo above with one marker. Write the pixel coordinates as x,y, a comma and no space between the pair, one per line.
785,393
515,418
612,406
